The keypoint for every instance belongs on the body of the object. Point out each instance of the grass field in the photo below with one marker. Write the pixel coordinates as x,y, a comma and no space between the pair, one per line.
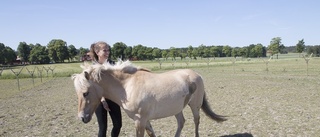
283,101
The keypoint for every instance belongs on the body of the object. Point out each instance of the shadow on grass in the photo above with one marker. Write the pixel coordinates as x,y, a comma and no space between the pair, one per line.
239,135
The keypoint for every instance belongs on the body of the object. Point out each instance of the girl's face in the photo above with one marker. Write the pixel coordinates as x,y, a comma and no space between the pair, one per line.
103,53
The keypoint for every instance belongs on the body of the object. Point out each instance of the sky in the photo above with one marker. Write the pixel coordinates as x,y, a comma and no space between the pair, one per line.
160,23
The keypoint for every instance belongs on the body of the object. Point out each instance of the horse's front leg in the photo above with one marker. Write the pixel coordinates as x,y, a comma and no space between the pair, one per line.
180,120
149,129
140,127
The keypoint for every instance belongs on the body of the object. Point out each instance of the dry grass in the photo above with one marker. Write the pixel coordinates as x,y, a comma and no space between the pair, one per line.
284,102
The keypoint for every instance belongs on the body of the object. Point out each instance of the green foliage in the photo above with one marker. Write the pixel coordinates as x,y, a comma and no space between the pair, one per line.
195,53
315,50
7,55
300,46
72,52
189,51
165,54
274,46
173,52
119,50
227,51
24,51
39,55
83,51
138,52
156,53
128,52
58,50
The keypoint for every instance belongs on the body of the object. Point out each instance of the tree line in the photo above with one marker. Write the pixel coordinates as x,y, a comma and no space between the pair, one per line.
57,51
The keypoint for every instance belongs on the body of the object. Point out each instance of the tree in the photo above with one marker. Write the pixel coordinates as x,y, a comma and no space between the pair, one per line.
138,52
128,52
274,46
7,54
201,50
258,50
300,46
148,53
24,51
156,53
58,50
2,48
215,51
315,50
173,53
39,54
226,50
206,52
118,50
83,51
189,51
72,52
62,53
165,54
235,52
195,53
243,52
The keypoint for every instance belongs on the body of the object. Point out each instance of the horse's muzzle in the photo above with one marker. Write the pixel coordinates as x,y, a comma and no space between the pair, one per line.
85,120
85,117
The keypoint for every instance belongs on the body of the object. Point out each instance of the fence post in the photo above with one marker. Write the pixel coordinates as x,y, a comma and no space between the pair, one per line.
267,62
46,70
51,70
2,68
40,72
31,73
160,62
17,76
307,61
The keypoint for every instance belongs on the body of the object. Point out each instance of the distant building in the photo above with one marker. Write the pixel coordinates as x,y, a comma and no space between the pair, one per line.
17,61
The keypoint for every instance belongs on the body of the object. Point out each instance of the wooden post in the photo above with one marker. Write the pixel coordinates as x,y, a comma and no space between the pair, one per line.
2,68
51,70
173,63
208,61
307,61
267,62
40,72
187,61
17,76
160,62
46,70
31,73
233,64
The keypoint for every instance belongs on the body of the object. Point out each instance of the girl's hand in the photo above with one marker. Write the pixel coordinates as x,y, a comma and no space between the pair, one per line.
105,104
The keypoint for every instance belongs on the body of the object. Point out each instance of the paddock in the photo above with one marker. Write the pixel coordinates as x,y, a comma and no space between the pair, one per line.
277,103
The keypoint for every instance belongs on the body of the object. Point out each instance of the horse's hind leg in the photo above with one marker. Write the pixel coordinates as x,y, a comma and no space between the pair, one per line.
149,129
196,118
180,120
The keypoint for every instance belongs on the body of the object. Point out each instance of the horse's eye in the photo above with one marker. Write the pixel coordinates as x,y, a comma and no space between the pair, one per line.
85,94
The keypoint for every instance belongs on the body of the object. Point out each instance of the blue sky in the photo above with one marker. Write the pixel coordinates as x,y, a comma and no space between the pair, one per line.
161,23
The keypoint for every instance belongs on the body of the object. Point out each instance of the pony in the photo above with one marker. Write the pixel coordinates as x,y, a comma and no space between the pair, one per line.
143,95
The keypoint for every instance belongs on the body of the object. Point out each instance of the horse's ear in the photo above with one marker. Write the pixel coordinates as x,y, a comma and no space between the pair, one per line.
86,75
73,76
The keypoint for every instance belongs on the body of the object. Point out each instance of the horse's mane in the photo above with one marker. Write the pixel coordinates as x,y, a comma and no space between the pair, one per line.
96,69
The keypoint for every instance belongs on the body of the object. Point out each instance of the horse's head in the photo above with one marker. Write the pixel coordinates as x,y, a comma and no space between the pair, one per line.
89,95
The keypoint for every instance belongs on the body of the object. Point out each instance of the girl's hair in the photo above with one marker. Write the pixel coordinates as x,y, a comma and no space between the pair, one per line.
95,47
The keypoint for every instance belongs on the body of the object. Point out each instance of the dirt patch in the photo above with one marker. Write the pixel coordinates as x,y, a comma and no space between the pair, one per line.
257,105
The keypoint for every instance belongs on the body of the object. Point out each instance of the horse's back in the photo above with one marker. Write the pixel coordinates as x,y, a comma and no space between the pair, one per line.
164,94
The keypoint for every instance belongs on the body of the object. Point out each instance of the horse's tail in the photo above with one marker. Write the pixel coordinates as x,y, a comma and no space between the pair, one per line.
207,110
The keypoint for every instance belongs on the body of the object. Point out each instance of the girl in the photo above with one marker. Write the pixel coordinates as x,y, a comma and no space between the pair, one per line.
99,53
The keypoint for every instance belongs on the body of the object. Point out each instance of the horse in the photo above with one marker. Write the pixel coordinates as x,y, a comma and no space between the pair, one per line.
142,94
